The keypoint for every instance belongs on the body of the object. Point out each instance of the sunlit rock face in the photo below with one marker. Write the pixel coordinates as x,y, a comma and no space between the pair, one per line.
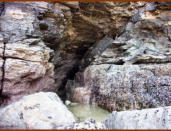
26,66
154,118
27,70
43,110
133,71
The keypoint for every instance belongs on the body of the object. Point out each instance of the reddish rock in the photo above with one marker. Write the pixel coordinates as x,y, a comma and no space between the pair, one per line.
81,95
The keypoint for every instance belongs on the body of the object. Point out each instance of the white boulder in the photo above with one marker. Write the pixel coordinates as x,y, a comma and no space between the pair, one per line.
154,118
43,110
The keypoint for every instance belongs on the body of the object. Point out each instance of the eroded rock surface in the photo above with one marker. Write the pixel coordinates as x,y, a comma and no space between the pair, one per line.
156,118
27,67
36,111
88,23
118,87
69,28
133,71
124,45
26,70
145,40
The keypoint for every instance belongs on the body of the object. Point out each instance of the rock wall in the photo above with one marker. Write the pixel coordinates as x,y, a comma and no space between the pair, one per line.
133,71
86,24
114,53
34,35
125,87
43,44
25,59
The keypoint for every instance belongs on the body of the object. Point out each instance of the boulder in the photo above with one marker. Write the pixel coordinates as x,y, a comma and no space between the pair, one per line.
125,87
154,118
37,111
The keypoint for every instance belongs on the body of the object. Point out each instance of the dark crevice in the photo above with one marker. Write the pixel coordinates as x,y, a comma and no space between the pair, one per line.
3,97
70,76
3,69
151,62
2,7
80,53
20,59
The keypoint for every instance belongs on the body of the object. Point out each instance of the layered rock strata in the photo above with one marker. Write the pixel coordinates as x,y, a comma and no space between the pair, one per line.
25,58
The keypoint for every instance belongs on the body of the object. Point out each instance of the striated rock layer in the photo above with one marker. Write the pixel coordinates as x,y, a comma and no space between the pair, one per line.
25,59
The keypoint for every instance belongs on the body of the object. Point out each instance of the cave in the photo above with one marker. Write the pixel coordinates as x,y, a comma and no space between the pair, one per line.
106,60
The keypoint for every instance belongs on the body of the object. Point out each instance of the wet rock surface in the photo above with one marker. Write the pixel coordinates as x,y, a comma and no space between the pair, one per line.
155,118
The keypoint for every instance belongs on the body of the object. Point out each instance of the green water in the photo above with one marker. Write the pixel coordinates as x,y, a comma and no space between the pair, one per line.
85,111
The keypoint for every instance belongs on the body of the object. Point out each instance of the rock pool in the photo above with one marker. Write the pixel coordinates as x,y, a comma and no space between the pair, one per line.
85,111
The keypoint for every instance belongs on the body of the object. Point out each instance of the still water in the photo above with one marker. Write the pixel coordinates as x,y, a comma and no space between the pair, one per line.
85,111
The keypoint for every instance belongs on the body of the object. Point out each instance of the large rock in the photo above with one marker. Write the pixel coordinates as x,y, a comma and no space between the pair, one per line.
156,118
27,65
146,39
26,70
132,71
23,20
36,111
116,87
